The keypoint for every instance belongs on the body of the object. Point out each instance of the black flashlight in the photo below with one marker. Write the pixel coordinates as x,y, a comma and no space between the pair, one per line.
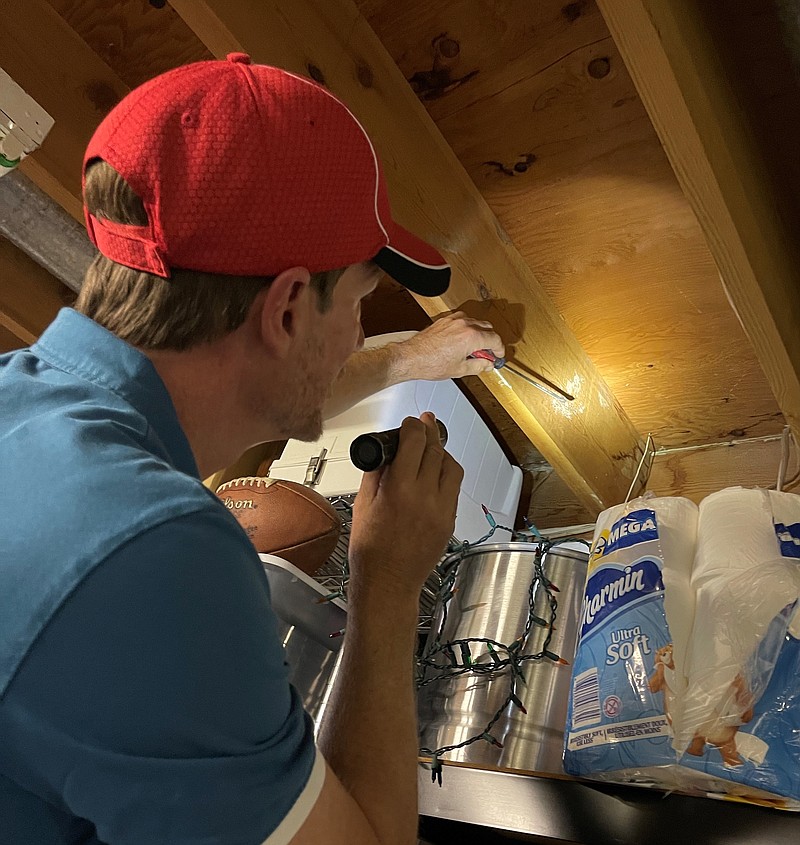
378,448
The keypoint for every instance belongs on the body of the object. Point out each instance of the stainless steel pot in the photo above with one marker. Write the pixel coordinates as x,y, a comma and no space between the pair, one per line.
492,602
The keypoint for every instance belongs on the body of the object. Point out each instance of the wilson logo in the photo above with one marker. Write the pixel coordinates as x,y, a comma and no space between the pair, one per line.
237,504
613,587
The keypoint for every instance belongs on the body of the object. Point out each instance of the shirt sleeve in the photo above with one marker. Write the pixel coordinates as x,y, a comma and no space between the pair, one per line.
156,702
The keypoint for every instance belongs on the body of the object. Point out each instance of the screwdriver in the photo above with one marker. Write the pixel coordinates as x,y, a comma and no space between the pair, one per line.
534,379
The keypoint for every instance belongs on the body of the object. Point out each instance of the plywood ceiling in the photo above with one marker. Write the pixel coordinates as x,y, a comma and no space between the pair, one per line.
538,106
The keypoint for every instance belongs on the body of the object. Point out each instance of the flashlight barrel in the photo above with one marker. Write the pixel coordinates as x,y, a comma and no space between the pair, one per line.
372,451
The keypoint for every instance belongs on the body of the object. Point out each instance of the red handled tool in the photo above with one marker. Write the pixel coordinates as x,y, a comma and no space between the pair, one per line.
535,379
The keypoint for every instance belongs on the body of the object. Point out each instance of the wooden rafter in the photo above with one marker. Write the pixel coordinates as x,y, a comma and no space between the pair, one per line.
9,341
693,102
590,442
29,296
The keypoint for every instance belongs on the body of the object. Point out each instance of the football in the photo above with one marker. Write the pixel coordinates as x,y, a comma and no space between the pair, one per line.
284,518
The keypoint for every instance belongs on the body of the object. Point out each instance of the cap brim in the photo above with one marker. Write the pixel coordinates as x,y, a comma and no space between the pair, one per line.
413,263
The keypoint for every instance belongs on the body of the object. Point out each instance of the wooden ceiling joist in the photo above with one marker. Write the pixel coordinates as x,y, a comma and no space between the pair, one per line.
590,442
9,341
679,72
29,296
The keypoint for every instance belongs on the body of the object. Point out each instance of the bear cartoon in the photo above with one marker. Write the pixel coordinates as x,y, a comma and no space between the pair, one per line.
662,679
714,731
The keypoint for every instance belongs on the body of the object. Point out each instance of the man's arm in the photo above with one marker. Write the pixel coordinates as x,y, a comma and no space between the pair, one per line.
437,352
403,519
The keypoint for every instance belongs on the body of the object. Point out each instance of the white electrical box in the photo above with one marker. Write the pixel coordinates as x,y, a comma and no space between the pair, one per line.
489,478
23,123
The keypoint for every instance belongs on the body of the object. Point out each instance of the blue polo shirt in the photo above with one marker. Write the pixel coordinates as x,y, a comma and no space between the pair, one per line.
143,690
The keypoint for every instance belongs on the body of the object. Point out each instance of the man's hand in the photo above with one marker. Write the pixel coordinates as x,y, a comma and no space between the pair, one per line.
405,513
440,351
436,353
404,516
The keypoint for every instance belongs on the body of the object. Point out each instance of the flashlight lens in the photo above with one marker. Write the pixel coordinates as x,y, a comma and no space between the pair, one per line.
366,452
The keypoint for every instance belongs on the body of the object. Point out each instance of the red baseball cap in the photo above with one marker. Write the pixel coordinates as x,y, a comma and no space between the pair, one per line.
246,169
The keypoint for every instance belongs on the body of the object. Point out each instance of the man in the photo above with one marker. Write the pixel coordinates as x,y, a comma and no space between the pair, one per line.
242,218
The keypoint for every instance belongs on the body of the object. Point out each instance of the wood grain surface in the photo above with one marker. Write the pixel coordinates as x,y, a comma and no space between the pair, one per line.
9,341
693,473
695,106
696,473
29,296
134,38
553,133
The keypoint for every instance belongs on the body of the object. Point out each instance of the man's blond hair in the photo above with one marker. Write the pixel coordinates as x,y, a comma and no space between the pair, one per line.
177,313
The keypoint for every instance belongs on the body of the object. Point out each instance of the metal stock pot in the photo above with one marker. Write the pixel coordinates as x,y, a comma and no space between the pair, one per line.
492,601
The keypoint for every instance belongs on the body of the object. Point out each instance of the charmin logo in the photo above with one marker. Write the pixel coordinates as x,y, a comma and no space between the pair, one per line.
789,539
635,527
237,504
613,587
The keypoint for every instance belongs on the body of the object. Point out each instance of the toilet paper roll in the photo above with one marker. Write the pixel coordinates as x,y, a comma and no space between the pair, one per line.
736,533
677,520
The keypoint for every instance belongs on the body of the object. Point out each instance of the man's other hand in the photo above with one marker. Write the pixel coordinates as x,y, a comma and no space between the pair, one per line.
405,513
441,351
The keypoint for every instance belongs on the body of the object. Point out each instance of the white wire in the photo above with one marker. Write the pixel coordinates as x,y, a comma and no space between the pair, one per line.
782,466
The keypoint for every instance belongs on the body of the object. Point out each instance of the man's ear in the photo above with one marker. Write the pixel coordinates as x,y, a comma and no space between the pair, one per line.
284,310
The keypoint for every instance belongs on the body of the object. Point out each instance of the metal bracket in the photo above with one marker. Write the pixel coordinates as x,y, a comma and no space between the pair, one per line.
647,458
315,469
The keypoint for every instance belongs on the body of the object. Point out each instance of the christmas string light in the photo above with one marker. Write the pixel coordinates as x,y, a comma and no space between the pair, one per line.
443,661
530,527
513,662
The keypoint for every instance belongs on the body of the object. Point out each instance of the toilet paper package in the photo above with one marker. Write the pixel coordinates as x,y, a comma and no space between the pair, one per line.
629,673
741,711
687,674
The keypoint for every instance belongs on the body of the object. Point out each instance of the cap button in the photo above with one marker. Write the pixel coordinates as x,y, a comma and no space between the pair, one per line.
240,58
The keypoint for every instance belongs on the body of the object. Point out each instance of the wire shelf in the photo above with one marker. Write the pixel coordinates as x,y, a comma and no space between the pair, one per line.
333,576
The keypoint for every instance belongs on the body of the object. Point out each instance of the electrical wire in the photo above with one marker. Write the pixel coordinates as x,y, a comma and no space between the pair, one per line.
788,444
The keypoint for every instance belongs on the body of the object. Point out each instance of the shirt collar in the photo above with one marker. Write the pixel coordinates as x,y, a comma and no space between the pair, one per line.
76,344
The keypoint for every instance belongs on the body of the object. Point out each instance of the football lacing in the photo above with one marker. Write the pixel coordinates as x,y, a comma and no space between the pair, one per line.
246,481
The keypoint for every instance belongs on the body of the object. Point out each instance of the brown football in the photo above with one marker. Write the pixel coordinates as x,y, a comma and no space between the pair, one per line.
284,518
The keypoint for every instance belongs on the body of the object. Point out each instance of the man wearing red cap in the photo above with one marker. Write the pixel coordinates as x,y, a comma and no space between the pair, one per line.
242,217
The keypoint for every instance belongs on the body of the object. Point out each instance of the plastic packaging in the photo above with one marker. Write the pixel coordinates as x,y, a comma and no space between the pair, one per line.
716,711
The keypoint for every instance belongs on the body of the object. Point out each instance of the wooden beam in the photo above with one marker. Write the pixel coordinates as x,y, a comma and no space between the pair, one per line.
29,296
54,65
9,341
590,442
681,77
